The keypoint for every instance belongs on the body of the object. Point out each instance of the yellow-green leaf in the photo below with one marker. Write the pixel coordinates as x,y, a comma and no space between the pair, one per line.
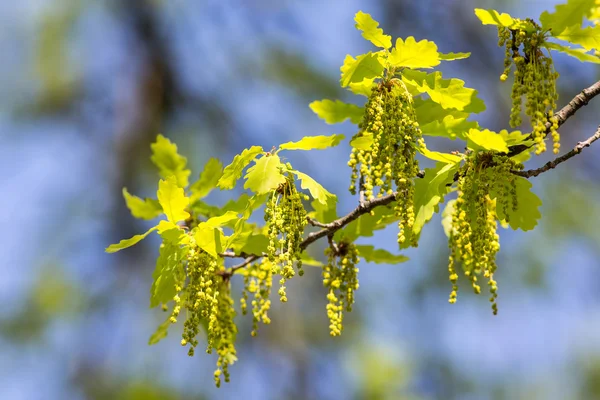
449,93
265,175
588,38
447,217
211,173
527,214
309,261
449,127
371,31
209,239
363,142
324,213
486,140
143,209
453,56
317,191
164,226
363,88
173,200
413,54
364,66
493,17
233,171
334,112
379,256
314,142
446,158
125,243
565,15
429,111
222,220
580,54
168,272
430,191
161,332
515,138
168,161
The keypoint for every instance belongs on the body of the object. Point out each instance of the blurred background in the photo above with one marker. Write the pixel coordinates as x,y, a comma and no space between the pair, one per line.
87,86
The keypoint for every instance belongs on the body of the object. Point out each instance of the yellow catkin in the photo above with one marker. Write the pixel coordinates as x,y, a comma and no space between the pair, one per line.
388,163
534,79
340,277
485,185
286,219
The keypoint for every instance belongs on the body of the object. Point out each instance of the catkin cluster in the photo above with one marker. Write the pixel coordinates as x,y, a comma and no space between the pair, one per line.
485,183
258,280
390,121
286,219
340,277
207,300
534,78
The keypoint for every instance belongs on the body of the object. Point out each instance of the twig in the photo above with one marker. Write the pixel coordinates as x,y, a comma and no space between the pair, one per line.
339,223
228,273
332,244
364,207
552,164
316,223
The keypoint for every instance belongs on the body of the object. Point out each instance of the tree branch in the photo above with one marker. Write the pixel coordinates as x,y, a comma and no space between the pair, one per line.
552,164
364,207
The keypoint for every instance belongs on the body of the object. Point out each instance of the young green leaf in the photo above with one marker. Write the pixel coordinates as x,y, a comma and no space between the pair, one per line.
413,54
317,191
447,217
233,171
324,213
308,260
588,38
168,161
144,209
161,332
445,158
254,243
566,15
363,88
371,31
212,172
379,256
453,56
527,213
449,127
168,273
515,138
173,200
363,142
356,70
265,175
125,243
493,17
334,112
314,142
580,54
209,239
222,220
164,226
366,224
449,93
430,191
428,111
486,140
